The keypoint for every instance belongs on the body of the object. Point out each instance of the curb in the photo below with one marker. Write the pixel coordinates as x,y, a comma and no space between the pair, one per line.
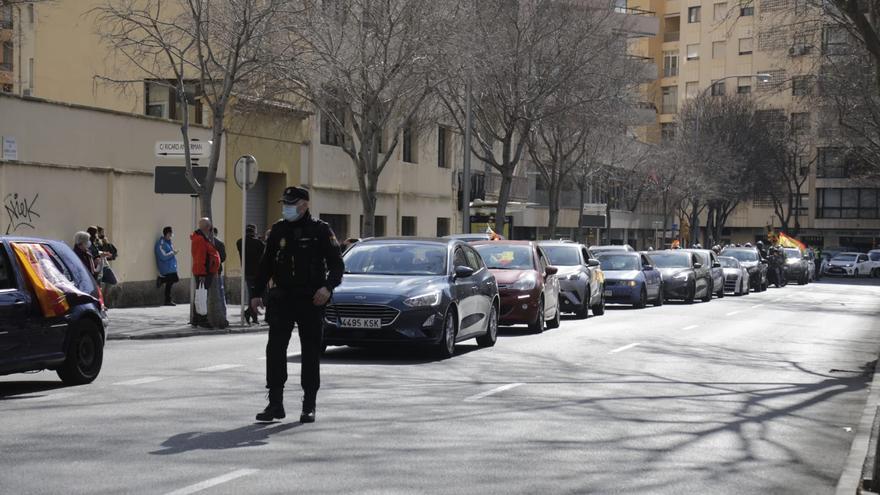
186,331
850,482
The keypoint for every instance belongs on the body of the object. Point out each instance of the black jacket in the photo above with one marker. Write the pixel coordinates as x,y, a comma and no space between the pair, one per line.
300,257
255,249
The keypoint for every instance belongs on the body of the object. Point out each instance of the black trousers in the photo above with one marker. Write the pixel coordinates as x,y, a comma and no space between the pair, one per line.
283,310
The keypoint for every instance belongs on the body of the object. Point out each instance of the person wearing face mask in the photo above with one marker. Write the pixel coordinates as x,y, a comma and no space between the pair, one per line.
303,259
166,262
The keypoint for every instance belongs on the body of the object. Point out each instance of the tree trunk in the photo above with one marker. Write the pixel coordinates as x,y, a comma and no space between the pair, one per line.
553,210
581,237
665,220
710,227
368,183
217,304
503,198
695,224
608,221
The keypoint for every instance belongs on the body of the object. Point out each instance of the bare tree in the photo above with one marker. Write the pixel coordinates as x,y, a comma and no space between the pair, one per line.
519,55
369,68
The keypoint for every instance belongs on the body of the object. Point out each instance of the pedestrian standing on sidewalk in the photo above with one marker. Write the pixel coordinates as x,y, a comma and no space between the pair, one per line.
82,249
302,257
96,253
254,251
166,262
206,270
221,249
108,277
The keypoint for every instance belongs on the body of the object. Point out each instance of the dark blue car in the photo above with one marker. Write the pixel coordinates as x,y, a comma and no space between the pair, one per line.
433,292
72,344
630,278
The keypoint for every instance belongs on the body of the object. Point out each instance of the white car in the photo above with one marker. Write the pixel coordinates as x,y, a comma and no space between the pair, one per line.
736,276
874,259
850,264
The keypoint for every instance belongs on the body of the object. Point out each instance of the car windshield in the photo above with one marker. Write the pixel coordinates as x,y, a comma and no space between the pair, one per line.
671,260
506,256
562,255
844,257
741,254
612,262
728,262
396,259
793,253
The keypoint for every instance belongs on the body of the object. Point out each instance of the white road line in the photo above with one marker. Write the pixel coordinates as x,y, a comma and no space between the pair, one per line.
220,367
620,349
733,313
204,485
491,392
757,305
690,327
141,381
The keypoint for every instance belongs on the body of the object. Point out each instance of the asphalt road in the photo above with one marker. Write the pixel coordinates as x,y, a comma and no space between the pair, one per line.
753,394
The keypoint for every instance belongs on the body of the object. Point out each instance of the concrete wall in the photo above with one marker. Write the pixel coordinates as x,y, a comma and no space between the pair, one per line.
78,167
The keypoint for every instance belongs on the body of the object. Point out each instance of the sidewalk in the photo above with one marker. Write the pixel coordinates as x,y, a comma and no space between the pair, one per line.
167,322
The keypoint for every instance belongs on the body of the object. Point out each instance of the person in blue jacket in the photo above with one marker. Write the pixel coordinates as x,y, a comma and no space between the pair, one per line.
166,262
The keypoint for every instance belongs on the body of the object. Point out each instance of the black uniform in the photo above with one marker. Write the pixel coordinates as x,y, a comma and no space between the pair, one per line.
300,257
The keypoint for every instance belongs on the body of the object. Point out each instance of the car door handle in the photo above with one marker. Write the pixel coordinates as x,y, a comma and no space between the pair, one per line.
19,302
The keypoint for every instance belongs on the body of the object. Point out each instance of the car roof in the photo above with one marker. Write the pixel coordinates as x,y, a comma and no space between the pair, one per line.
412,240
505,242
618,253
559,243
849,253
727,258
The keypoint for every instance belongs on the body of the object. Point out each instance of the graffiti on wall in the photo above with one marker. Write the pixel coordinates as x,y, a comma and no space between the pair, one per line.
20,212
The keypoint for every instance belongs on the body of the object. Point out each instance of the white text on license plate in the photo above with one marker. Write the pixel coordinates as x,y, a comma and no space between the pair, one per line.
361,322
608,293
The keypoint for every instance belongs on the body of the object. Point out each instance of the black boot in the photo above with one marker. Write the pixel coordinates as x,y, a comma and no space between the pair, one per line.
308,412
275,409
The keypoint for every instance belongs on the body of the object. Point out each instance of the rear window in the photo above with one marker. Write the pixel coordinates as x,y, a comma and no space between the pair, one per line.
671,260
874,256
563,255
728,262
618,262
506,257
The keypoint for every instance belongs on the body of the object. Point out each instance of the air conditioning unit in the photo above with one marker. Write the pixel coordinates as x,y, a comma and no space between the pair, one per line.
26,92
799,50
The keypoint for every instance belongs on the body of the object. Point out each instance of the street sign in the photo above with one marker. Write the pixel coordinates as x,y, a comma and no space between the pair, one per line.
172,180
176,149
10,149
246,168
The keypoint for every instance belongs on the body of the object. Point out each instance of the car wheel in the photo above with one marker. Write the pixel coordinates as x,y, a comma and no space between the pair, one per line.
599,309
721,291
856,273
84,356
584,310
446,346
691,294
709,289
537,326
554,323
875,272
660,297
491,335
643,299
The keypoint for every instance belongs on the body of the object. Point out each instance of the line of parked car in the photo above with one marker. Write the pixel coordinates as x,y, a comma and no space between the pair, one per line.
439,292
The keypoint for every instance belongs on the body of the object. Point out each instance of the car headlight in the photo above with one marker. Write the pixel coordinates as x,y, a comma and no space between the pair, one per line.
525,282
848,266
681,276
632,283
429,299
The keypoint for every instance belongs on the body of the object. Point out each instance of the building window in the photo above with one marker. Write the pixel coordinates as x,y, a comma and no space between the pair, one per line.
693,52
7,56
834,40
693,15
720,11
670,63
743,85
801,85
718,88
330,133
747,11
745,46
442,227
847,203
410,145
339,224
31,16
670,99
667,131
800,122
378,225
162,100
774,82
718,49
5,16
444,147
691,89
802,204
774,38
408,226
838,163
671,27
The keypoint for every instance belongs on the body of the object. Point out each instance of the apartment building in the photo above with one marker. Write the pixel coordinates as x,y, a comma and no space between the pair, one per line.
772,50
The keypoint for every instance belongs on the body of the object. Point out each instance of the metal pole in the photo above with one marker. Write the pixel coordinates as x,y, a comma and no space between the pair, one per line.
192,278
466,166
244,304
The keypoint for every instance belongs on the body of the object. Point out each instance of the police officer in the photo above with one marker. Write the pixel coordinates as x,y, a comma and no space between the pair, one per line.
302,257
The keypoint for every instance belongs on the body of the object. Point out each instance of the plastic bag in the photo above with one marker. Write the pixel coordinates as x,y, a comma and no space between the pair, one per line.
201,301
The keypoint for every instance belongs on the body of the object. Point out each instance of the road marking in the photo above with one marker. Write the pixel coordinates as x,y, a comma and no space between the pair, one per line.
733,313
141,381
621,349
204,485
690,327
757,305
220,367
491,392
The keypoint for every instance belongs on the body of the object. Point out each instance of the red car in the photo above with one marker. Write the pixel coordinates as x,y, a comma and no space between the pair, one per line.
527,283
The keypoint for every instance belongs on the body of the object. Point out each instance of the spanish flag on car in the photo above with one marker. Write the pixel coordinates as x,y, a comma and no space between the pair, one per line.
493,236
790,242
35,262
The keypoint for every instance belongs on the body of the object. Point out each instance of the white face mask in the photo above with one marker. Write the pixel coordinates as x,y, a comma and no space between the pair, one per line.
291,213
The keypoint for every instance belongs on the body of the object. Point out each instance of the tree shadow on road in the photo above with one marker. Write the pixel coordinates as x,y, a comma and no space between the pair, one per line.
254,435
384,355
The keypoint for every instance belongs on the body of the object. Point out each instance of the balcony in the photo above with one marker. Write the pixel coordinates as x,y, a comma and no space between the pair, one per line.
478,186
519,189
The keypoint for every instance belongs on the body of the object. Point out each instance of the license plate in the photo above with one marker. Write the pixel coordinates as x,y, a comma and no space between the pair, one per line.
609,293
361,322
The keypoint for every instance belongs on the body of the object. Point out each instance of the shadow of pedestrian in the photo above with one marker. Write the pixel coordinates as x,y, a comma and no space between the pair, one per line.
254,435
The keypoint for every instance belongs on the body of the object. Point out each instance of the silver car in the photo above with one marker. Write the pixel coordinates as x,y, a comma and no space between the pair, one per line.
736,276
581,282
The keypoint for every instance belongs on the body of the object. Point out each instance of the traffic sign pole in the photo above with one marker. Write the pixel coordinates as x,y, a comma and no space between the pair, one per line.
245,167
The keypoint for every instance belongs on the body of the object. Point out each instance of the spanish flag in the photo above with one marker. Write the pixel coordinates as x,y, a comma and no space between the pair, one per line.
39,270
790,242
492,235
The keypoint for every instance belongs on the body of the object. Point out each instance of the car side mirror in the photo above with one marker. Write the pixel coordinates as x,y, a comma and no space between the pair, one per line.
716,265
463,271
698,265
551,270
593,263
